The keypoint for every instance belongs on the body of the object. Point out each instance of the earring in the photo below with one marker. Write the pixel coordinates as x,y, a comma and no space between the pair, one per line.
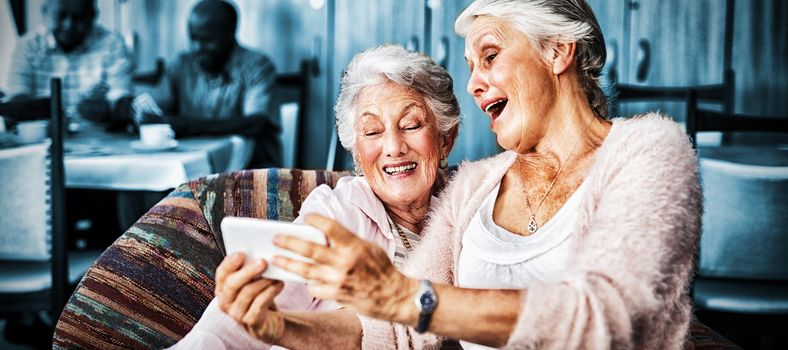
357,169
444,163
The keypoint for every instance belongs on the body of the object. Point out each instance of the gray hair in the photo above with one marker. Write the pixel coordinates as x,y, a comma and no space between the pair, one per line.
548,23
409,69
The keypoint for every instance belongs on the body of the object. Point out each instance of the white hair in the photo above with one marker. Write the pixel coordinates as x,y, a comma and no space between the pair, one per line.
548,23
397,65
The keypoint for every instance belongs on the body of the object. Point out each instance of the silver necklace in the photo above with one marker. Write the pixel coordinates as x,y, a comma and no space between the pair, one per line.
533,226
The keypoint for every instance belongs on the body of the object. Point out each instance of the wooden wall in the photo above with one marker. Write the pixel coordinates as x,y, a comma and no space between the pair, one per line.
475,139
686,40
760,56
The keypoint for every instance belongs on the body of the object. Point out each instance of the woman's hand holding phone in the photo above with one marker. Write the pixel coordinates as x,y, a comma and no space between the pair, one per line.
249,298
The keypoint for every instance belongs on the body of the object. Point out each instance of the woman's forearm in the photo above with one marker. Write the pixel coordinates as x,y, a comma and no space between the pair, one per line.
482,316
339,329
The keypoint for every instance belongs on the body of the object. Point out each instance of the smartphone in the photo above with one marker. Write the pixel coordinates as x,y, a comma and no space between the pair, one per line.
254,237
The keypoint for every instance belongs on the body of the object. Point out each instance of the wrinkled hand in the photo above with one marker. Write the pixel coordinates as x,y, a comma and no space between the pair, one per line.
350,270
248,298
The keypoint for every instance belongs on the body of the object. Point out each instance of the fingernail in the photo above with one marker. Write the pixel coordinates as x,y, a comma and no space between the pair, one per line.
277,260
261,264
278,239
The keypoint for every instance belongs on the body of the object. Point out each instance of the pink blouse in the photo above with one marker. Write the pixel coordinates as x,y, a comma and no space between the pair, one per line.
354,205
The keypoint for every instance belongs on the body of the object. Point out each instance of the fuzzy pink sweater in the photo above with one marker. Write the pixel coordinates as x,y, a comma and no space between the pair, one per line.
627,285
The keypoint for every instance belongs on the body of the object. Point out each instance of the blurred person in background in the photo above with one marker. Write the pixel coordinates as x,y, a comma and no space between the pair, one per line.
220,87
93,63
95,67
215,88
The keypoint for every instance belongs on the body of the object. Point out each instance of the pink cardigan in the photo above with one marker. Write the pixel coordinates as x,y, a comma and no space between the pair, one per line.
353,204
628,280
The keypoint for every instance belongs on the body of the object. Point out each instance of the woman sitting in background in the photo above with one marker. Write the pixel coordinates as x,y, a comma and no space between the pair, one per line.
581,235
398,116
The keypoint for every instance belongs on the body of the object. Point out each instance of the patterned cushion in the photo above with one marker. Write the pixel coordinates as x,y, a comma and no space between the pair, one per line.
705,338
150,287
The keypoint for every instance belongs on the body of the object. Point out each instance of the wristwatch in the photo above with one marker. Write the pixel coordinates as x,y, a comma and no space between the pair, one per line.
426,301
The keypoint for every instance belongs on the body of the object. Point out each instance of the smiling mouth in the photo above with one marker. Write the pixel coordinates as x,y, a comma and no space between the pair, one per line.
401,169
496,108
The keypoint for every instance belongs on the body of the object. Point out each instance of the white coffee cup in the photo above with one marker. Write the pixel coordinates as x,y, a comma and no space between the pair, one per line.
32,131
156,134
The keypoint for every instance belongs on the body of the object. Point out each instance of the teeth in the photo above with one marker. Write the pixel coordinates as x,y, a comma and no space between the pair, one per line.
491,105
399,169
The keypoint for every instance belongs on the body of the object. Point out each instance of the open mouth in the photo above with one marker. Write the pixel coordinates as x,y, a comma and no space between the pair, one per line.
496,108
399,169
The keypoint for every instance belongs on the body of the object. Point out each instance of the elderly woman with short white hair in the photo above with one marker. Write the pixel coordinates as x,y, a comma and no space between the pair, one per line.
581,235
398,117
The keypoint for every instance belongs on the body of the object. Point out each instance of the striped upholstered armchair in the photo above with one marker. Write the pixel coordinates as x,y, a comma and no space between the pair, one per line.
150,287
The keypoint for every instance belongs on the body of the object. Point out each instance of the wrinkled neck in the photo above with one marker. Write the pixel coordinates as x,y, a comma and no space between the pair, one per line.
411,215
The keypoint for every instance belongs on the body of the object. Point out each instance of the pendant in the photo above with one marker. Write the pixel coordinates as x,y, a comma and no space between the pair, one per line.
532,226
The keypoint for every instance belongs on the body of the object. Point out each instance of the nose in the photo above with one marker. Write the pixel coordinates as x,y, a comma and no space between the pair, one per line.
477,84
394,144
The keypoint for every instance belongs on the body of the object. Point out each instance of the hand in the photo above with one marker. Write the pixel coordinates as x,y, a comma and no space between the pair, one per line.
123,113
248,298
351,271
151,118
94,106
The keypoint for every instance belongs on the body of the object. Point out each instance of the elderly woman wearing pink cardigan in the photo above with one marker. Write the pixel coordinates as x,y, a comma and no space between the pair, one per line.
581,235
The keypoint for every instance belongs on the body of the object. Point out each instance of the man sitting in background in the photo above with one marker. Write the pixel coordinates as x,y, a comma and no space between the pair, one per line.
221,88
95,68
94,65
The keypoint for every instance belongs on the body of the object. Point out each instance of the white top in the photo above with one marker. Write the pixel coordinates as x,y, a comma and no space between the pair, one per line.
401,252
493,257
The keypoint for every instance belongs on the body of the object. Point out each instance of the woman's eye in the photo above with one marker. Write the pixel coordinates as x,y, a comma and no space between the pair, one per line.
490,58
371,133
412,127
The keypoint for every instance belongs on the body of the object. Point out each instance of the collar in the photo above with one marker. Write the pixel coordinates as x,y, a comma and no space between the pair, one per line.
224,74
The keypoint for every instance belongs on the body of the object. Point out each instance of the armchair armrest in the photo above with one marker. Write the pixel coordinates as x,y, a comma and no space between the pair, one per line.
151,286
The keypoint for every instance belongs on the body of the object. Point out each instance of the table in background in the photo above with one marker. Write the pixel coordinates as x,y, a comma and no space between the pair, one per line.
101,160
110,184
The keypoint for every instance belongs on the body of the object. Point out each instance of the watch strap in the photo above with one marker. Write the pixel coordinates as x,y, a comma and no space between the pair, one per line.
424,322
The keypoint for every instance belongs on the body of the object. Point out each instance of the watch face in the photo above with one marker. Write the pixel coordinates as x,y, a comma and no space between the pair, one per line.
427,301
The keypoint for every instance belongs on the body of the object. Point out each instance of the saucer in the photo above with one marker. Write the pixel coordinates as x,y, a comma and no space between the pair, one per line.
137,145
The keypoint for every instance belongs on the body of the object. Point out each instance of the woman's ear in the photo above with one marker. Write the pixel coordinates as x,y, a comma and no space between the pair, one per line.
448,141
563,57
